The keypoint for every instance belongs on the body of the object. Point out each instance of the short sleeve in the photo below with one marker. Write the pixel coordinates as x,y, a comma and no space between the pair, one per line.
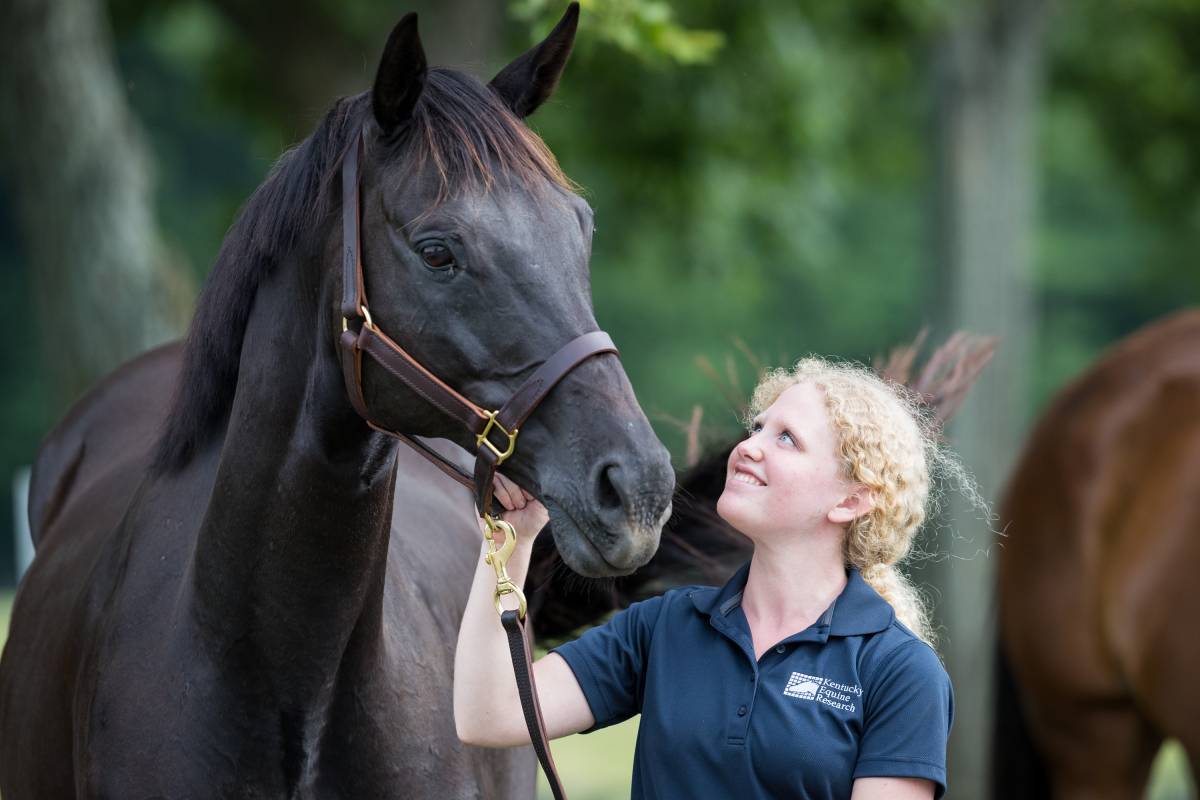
909,708
609,661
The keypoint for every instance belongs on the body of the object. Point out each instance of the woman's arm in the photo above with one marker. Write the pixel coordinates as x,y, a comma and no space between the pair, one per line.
892,789
487,708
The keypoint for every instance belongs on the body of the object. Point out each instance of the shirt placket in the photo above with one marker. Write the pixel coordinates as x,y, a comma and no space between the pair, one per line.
738,730
740,701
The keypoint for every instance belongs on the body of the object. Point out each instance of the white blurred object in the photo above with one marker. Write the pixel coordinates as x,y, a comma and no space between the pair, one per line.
21,536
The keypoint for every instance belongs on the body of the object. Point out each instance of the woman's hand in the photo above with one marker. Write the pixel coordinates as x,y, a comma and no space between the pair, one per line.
521,509
487,706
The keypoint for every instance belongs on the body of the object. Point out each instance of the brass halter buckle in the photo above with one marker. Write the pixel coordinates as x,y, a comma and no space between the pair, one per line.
498,558
482,439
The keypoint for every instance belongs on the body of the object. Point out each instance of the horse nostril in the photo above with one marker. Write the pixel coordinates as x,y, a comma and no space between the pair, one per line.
608,496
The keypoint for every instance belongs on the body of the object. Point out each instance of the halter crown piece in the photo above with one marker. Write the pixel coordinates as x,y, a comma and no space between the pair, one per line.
495,432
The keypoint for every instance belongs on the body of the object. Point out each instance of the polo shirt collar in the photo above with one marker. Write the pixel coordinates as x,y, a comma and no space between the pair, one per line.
857,611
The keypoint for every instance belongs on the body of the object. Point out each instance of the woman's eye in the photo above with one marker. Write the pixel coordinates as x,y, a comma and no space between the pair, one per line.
755,427
788,436
437,256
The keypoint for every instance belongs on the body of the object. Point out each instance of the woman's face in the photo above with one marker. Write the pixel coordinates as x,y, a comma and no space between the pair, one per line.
786,475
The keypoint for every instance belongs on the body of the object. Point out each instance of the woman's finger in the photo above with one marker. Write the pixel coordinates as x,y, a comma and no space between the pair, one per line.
500,492
513,492
509,493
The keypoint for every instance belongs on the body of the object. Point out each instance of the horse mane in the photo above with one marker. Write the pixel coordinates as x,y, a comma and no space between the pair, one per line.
460,128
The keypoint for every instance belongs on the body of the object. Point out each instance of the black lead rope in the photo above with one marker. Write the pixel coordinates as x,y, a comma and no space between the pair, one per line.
518,648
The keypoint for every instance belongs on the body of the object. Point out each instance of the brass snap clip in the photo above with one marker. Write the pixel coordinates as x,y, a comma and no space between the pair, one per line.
498,558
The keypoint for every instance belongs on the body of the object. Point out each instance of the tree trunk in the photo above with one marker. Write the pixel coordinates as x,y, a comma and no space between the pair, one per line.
986,74
105,286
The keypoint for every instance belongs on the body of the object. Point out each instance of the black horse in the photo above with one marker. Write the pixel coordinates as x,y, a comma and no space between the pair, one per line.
227,609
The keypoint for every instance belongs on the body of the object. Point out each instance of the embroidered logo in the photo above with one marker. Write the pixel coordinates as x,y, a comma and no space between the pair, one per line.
831,693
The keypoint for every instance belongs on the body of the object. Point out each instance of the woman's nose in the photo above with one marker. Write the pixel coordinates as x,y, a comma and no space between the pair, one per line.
749,449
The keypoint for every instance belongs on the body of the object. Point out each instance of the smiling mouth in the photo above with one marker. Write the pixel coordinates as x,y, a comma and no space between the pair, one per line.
746,478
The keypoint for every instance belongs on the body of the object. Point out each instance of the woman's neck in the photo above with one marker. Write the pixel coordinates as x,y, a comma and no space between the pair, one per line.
792,583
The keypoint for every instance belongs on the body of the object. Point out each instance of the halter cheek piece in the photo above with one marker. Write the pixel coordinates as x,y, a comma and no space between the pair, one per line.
495,432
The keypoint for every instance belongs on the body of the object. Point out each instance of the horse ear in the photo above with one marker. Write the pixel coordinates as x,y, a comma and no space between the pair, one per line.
530,80
401,76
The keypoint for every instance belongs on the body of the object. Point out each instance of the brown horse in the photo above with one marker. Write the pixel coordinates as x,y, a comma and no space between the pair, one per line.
1096,616
227,609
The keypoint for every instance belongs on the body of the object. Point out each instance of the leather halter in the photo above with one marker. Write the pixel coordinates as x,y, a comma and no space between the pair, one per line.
360,335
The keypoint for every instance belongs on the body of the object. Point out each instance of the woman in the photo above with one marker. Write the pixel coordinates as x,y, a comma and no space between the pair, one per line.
810,674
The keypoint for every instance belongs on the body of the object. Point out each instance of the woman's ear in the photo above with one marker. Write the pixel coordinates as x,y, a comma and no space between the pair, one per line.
859,502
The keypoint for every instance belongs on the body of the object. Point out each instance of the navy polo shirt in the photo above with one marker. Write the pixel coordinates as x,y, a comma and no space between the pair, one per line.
854,695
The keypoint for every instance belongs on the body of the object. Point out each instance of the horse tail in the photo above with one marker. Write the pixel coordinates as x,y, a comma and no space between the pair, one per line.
1017,768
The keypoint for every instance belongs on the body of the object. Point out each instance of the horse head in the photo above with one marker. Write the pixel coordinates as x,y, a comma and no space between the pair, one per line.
475,252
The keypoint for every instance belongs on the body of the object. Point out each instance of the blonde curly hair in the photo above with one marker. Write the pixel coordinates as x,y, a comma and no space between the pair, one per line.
889,445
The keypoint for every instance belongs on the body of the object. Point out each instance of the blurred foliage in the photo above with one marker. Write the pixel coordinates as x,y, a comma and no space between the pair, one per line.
744,198
759,170
642,28
1120,217
1136,70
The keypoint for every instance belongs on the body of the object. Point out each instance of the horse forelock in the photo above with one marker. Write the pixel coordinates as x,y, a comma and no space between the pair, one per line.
463,134
460,132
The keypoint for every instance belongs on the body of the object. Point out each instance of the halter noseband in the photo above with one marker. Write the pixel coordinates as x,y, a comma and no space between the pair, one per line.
495,432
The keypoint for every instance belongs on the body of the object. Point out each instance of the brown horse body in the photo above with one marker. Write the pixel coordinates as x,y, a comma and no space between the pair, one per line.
1096,611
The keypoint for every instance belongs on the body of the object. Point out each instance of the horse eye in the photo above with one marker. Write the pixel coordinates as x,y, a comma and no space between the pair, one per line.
437,256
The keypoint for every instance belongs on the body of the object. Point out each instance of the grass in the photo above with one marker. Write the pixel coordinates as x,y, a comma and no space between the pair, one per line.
1171,778
6,599
599,766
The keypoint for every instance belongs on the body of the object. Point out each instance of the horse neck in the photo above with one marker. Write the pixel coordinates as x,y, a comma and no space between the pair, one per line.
291,552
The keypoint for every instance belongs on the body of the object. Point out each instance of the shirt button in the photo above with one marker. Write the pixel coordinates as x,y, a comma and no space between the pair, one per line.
780,649
742,711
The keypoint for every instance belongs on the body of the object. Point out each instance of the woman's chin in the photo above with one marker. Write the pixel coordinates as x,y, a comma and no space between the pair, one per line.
731,510
746,517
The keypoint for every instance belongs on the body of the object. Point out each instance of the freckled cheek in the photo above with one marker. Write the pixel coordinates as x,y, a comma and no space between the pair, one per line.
797,489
